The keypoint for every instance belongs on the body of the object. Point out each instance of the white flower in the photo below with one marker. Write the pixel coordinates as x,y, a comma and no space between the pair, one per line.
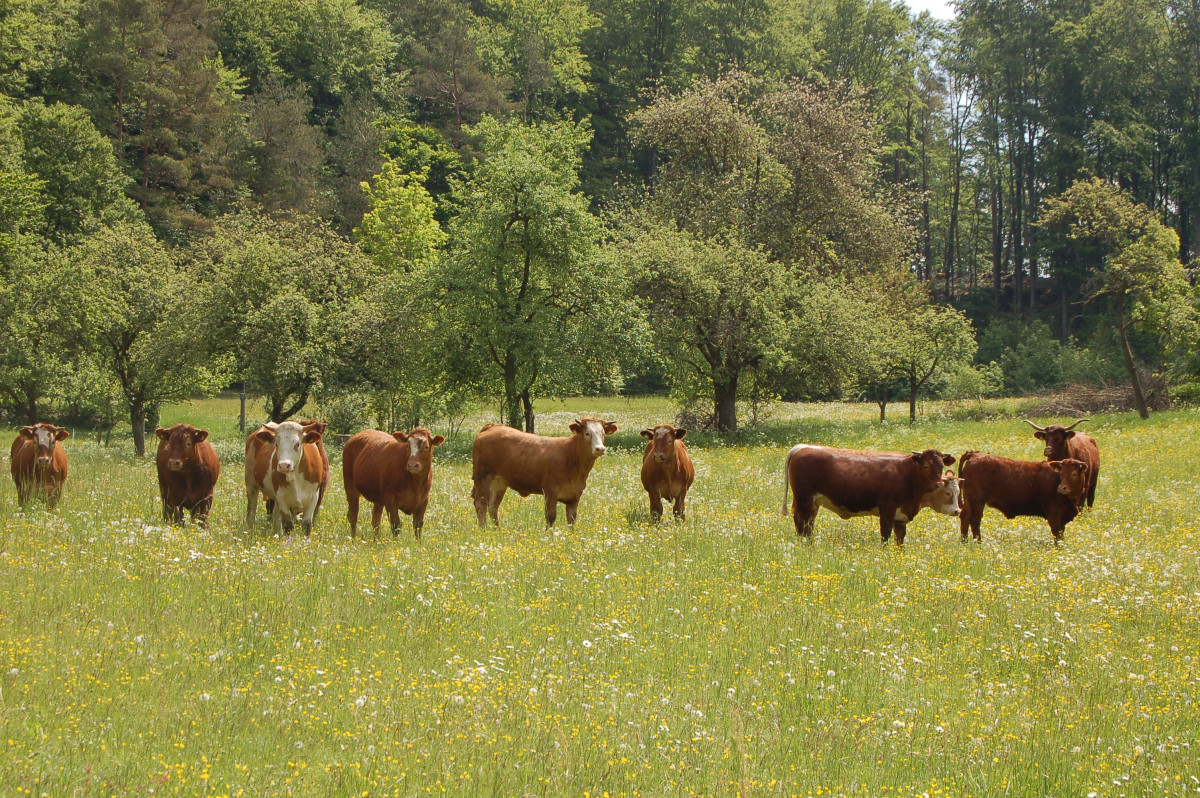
587,643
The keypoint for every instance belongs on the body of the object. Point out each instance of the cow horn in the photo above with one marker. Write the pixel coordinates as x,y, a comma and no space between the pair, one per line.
1035,426
1080,421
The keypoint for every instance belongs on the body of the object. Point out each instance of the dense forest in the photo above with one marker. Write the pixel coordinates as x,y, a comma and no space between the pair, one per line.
401,209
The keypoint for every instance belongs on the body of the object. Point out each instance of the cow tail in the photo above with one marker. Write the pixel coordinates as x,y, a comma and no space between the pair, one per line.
787,461
962,461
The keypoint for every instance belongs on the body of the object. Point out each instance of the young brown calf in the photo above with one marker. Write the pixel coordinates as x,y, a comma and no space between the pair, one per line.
1050,490
187,472
667,470
393,472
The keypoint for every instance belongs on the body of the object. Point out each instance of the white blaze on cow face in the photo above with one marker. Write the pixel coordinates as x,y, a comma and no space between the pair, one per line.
945,499
44,438
289,446
594,432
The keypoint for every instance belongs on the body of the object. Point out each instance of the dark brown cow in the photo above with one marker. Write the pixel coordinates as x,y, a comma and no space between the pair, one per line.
39,464
253,444
853,483
1065,442
287,463
667,470
187,472
393,472
556,468
1050,490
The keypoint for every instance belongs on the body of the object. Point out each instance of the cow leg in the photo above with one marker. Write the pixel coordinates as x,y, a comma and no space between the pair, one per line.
394,519
201,510
551,509
376,518
572,511
1057,525
418,520
481,489
970,519
901,530
352,508
495,497
251,505
804,514
289,523
887,519
22,493
1091,494
679,505
655,504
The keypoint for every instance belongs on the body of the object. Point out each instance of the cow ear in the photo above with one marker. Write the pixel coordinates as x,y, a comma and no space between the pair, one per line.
266,434
163,433
947,459
1040,434
26,432
61,434
916,456
1057,466
401,436
647,434
312,436
201,435
438,440
1070,433
679,433
575,426
609,428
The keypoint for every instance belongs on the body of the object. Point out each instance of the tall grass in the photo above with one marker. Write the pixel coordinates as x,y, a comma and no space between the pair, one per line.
719,656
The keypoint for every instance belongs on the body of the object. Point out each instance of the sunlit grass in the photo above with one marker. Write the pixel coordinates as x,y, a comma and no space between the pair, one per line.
715,657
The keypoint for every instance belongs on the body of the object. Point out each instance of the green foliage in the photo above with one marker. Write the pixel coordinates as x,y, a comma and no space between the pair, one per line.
399,231
539,40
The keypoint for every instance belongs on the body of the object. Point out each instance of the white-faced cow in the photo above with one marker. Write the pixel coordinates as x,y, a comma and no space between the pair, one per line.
286,464
39,463
1065,442
667,470
556,468
890,485
1050,490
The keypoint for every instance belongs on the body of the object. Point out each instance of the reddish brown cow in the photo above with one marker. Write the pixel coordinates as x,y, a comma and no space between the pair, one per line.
39,464
667,470
852,483
287,463
1050,490
1064,442
556,468
393,472
187,472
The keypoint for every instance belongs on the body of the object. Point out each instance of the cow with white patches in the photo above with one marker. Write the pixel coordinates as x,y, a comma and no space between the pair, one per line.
556,468
286,463
891,485
667,470
393,472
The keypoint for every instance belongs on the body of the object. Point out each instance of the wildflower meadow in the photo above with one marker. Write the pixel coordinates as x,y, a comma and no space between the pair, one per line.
718,656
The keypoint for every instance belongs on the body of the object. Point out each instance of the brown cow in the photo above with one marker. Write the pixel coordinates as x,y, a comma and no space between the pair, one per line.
187,472
556,468
667,470
39,464
393,472
1064,442
287,463
253,444
1050,490
853,483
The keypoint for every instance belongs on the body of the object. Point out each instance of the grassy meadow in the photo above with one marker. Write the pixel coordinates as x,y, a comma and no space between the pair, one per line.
720,656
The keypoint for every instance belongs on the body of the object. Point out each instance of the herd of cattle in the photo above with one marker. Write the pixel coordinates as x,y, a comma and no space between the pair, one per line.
287,466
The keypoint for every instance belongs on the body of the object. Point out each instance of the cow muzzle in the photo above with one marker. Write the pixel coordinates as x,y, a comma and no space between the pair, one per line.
414,466
599,451
175,464
285,466
43,460
659,457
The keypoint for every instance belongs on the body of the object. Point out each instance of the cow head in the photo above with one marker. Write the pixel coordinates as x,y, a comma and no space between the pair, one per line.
1056,437
945,498
591,432
420,442
663,436
44,436
1072,478
929,467
289,439
178,444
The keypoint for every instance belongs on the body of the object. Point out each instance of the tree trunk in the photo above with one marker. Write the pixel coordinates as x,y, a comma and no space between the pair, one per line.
513,413
913,387
527,406
137,420
726,404
1139,401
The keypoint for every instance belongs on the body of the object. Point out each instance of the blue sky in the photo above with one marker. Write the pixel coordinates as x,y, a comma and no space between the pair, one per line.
939,8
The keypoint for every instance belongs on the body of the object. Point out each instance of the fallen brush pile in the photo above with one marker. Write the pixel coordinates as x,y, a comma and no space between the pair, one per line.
1082,400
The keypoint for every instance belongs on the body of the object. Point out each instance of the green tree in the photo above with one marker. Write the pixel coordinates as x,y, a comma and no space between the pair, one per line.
136,309
525,296
930,342
400,232
540,40
1140,273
